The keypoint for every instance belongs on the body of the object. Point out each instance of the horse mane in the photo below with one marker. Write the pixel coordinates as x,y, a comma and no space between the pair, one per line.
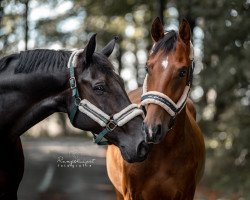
167,43
49,60
42,59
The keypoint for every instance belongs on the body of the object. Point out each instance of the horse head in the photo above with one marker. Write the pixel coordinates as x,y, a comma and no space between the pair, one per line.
97,82
167,83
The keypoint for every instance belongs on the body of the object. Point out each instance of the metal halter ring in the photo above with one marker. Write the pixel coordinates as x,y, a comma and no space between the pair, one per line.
72,81
111,125
77,101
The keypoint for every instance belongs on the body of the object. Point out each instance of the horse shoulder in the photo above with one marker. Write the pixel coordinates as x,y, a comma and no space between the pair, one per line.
191,108
114,164
198,139
135,95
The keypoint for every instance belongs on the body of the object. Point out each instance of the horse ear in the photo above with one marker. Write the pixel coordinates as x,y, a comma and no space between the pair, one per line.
157,30
90,49
108,49
185,31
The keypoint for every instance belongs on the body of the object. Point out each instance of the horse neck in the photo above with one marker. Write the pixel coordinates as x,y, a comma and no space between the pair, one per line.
39,111
32,97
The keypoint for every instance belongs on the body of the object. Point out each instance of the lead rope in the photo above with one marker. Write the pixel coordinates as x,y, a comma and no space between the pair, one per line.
104,120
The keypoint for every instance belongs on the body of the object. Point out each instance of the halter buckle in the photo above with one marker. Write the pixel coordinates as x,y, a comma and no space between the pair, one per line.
72,81
77,101
111,125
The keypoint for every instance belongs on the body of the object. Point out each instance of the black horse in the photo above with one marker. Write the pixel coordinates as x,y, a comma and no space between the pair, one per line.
34,84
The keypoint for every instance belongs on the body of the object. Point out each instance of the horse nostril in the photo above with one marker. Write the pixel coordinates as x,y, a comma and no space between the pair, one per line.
157,132
144,126
142,149
148,131
158,129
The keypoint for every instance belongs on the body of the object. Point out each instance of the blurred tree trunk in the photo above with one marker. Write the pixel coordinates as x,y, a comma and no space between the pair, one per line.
119,58
62,118
2,36
136,64
185,11
1,16
160,7
26,26
1,13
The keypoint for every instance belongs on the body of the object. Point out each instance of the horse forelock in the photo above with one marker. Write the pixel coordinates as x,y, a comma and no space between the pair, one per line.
98,59
99,63
102,63
166,44
169,43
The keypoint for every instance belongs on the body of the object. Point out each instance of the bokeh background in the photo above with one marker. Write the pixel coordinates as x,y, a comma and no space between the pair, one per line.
221,89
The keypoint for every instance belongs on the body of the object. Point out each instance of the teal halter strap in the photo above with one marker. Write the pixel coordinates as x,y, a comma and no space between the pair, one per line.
98,139
75,94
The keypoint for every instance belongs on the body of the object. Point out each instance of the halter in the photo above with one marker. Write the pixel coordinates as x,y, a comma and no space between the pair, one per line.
83,105
155,97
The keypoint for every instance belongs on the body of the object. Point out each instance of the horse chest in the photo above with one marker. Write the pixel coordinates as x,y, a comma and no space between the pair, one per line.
161,178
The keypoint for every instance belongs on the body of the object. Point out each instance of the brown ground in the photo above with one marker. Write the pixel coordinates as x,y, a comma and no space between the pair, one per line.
47,178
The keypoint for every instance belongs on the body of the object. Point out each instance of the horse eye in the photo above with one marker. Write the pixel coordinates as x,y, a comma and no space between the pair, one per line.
146,69
99,89
182,73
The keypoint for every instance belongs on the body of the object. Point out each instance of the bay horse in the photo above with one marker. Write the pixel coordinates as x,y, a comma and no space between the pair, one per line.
36,83
175,162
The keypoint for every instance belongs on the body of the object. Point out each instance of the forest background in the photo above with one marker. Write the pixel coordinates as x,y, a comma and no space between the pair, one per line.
221,89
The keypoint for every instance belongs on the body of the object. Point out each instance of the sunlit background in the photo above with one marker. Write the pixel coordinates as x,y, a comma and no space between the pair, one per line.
221,89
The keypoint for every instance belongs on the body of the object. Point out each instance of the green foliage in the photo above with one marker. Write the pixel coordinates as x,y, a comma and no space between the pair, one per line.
226,70
10,25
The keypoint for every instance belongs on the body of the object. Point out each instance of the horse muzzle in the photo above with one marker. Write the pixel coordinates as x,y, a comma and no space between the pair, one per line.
153,133
137,156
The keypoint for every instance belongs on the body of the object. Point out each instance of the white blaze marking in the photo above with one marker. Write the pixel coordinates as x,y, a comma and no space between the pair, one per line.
165,63
150,132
